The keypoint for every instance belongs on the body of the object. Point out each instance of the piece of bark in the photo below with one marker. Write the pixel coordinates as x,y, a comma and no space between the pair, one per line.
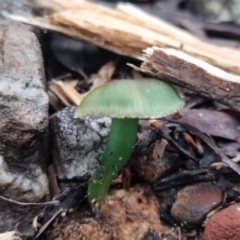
127,32
199,76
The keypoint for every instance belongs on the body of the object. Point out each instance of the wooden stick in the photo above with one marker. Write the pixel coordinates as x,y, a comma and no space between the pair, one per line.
127,30
187,71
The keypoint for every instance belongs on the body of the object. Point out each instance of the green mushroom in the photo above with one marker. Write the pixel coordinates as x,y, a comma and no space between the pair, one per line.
125,101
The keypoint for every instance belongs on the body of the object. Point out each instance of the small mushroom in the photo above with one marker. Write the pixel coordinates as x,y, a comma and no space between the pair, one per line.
125,101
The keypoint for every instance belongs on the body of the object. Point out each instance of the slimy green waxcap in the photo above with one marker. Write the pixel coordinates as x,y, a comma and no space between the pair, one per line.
146,98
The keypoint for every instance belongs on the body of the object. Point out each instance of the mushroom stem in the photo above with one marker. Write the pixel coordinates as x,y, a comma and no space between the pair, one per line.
121,141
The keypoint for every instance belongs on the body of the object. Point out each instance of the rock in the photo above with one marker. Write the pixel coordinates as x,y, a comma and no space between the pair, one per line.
148,164
194,202
224,225
20,7
77,143
24,116
126,215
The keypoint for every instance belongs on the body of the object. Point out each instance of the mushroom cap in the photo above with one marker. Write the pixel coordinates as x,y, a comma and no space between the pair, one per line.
146,98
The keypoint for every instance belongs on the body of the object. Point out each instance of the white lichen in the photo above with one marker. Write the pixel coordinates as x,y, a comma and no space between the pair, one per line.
23,187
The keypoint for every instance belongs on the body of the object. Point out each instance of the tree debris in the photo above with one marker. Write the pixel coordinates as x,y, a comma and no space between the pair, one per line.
112,29
192,73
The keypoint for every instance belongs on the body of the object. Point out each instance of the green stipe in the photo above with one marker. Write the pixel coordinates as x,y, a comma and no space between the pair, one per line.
125,101
121,141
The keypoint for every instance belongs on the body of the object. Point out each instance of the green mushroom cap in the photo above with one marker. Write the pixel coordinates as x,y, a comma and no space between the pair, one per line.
147,98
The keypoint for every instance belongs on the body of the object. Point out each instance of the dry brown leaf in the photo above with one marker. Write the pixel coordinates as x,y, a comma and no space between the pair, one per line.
188,138
103,76
71,82
159,148
157,124
54,101
63,93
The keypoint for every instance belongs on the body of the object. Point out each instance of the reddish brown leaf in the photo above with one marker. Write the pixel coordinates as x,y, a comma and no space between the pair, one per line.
214,123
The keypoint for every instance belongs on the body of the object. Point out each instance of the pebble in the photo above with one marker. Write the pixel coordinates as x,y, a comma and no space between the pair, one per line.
194,202
224,225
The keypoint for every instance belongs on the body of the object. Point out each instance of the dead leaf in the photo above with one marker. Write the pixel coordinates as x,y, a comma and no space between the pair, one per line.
214,123
188,138
193,130
159,148
157,124
64,93
104,75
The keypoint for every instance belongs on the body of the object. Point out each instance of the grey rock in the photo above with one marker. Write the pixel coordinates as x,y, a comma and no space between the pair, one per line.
194,202
77,143
20,7
23,116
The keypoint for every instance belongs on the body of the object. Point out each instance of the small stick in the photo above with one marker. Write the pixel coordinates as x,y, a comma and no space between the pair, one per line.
56,203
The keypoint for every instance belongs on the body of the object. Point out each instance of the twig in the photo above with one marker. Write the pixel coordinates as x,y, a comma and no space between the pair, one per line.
184,177
55,203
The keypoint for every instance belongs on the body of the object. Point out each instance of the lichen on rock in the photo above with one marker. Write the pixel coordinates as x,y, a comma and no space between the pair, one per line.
77,143
23,116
